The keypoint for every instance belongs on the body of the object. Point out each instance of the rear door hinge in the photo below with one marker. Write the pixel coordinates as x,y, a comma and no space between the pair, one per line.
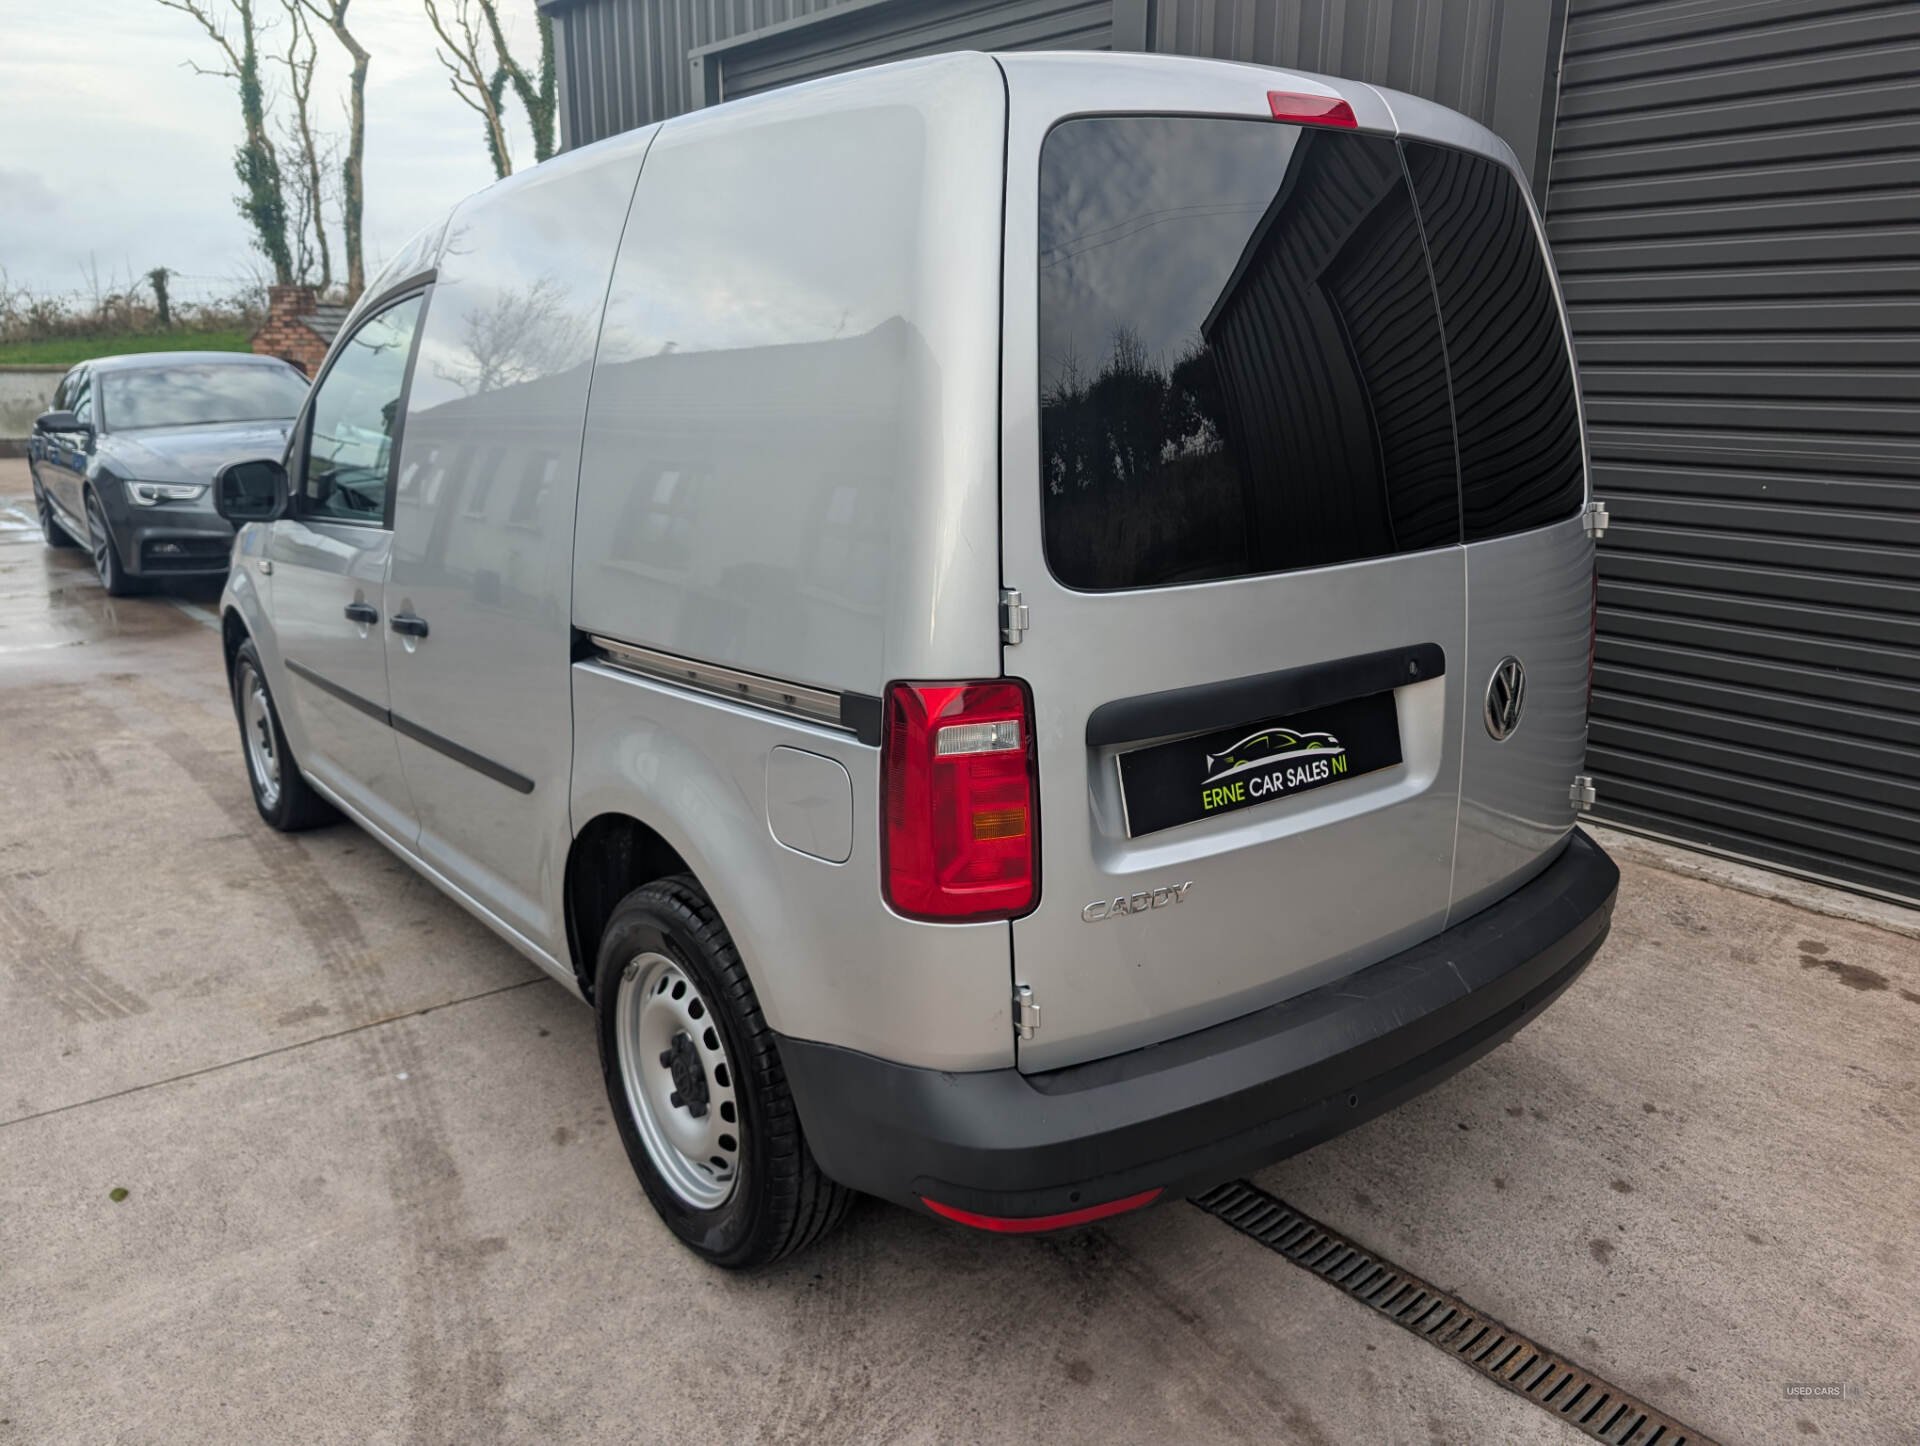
1582,794
1595,520
1013,616
1026,1011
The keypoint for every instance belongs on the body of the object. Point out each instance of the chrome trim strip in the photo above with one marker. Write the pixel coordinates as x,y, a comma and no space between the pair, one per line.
796,700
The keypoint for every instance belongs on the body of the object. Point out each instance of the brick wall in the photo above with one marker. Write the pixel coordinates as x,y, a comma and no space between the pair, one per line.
284,334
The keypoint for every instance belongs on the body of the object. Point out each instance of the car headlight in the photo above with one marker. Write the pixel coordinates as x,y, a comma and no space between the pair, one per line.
152,494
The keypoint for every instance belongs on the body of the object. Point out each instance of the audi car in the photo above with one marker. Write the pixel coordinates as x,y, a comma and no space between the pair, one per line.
123,461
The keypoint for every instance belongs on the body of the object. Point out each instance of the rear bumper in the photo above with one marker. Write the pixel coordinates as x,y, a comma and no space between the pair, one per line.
1191,1112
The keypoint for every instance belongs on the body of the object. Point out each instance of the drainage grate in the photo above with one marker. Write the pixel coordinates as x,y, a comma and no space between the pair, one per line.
1552,1382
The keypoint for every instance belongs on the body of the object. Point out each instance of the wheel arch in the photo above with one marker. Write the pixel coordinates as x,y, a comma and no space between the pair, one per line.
608,859
233,632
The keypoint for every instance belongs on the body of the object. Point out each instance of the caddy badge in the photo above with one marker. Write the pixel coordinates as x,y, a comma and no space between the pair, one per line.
1139,903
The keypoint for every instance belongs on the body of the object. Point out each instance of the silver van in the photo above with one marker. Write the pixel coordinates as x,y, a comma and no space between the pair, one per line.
1018,626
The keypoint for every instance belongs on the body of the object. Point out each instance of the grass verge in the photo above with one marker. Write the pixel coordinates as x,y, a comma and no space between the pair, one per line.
65,351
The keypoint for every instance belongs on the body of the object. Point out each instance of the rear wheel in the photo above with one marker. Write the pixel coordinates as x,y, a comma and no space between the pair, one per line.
695,1082
283,797
50,529
106,557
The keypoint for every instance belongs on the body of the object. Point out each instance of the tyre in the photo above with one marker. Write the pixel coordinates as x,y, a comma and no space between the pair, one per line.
696,1086
106,557
51,531
283,797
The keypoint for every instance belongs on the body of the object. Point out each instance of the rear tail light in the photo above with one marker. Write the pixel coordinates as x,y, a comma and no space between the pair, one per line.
1311,110
960,834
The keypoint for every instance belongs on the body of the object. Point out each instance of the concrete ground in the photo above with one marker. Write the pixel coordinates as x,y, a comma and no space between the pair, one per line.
373,1193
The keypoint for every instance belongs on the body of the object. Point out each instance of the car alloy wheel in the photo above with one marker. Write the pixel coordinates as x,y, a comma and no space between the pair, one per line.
679,1081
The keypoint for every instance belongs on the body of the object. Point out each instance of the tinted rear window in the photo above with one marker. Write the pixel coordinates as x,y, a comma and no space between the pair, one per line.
1513,388
1240,357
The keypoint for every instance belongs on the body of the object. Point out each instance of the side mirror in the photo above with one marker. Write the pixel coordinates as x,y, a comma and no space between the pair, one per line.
58,422
250,491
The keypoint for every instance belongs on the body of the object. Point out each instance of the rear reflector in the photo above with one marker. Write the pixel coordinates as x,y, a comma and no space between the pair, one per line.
1311,110
959,835
1032,1224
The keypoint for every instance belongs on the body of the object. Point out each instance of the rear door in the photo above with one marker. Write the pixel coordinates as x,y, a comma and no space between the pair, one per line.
1523,483
1230,505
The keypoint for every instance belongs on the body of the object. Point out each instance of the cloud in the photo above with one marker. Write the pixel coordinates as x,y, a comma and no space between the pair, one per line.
133,151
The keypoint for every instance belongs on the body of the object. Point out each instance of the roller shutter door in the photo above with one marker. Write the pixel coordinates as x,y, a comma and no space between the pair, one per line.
875,34
1735,209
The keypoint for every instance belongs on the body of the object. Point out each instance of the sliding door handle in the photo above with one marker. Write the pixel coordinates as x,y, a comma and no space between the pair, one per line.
411,624
359,612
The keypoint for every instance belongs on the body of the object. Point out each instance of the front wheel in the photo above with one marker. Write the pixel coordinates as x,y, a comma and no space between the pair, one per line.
694,1078
51,532
106,557
283,797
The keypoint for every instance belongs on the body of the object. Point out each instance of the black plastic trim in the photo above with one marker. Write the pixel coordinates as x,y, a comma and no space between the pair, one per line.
498,772
1186,1114
1265,695
860,715
345,695
479,763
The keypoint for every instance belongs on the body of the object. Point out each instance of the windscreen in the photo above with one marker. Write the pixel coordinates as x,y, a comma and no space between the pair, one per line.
1242,362
199,393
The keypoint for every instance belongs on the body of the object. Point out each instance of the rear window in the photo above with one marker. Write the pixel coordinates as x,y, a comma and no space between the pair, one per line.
1241,357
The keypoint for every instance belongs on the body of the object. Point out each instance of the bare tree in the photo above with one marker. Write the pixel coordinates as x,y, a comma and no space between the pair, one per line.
333,15
536,93
479,85
308,157
261,200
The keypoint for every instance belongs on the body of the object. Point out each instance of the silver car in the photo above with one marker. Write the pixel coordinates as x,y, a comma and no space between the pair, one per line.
1019,627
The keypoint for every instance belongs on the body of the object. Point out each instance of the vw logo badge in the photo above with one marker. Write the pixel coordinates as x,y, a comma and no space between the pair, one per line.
1506,696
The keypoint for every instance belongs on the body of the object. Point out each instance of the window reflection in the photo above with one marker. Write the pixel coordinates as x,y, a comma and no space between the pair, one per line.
1267,389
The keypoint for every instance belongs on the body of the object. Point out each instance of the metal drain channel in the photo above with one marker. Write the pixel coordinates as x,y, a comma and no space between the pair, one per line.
1552,1382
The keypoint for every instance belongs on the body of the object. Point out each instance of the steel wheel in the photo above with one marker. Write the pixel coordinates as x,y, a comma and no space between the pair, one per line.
679,1082
256,726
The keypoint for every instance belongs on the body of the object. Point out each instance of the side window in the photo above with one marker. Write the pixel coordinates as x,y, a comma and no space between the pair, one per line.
59,403
355,419
80,397
1513,386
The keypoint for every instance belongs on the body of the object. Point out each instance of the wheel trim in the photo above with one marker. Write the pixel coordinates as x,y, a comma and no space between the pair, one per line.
256,726
697,1156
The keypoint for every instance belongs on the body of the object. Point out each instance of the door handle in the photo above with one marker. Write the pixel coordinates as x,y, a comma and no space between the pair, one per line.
409,623
360,612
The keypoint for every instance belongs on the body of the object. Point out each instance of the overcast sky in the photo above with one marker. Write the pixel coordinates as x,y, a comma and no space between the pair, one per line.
112,149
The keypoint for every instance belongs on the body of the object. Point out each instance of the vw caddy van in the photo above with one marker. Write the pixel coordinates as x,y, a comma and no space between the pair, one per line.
1019,627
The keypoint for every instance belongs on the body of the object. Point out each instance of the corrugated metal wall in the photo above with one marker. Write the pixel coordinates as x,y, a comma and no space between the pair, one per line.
901,31
1490,59
625,62
1736,188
